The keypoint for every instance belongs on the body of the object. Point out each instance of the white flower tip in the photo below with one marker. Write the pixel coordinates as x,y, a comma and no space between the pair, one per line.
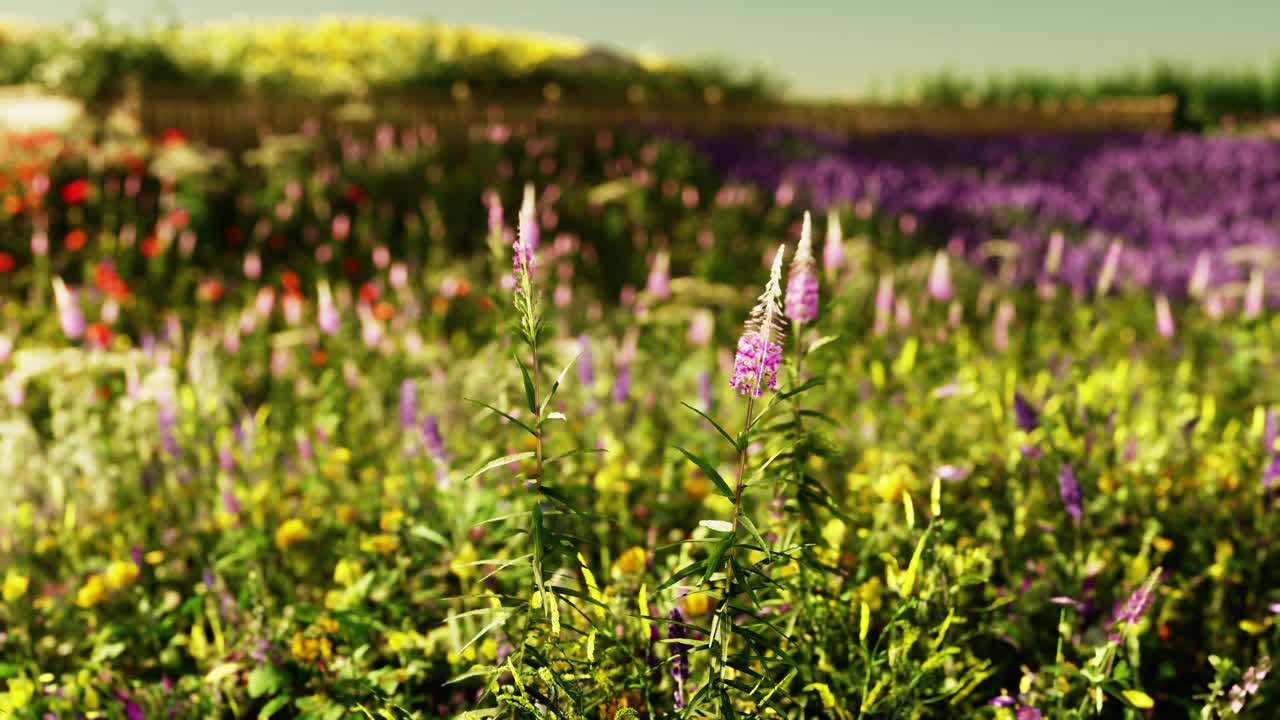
529,198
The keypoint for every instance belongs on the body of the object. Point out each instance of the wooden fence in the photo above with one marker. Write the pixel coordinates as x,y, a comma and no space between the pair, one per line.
240,122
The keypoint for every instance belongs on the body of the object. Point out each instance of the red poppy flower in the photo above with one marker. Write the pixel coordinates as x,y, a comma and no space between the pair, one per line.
180,218
75,192
173,137
384,311
289,279
149,247
75,239
99,334
354,194
211,290
13,204
319,357
369,292
7,263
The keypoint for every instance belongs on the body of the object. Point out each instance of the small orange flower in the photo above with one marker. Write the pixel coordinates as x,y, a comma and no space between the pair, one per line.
75,239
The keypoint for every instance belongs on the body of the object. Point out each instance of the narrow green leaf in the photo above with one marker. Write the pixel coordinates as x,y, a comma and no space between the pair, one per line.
504,460
712,475
528,387
723,433
546,401
522,425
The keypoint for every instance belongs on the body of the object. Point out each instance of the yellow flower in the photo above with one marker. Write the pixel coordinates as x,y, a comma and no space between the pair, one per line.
341,455
631,561
346,514
347,572
381,544
155,557
327,625
309,649
20,692
697,487
391,520
15,586
292,532
697,603
397,641
93,592
121,573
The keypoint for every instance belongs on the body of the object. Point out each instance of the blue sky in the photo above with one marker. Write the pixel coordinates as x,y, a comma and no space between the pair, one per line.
826,47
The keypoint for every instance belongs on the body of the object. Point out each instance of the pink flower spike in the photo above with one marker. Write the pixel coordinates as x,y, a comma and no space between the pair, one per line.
759,355
802,281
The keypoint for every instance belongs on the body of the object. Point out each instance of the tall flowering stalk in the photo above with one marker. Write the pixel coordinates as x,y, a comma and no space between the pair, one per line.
541,613
755,368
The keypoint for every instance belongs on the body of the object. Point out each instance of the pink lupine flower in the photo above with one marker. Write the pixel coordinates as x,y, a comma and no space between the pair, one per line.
755,366
1164,317
70,316
528,219
1110,263
327,312
1053,256
1198,283
940,287
1254,295
833,250
802,281
1005,314
884,304
659,283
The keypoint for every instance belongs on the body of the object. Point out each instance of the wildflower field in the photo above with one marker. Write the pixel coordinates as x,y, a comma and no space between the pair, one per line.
531,423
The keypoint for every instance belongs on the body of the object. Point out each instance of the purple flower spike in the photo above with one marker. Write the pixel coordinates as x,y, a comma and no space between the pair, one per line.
1024,414
760,348
802,282
1069,489
408,405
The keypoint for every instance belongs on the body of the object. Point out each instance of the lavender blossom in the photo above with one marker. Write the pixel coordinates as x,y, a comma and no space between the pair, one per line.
1069,489
435,449
586,367
802,281
760,347
1136,607
1024,414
